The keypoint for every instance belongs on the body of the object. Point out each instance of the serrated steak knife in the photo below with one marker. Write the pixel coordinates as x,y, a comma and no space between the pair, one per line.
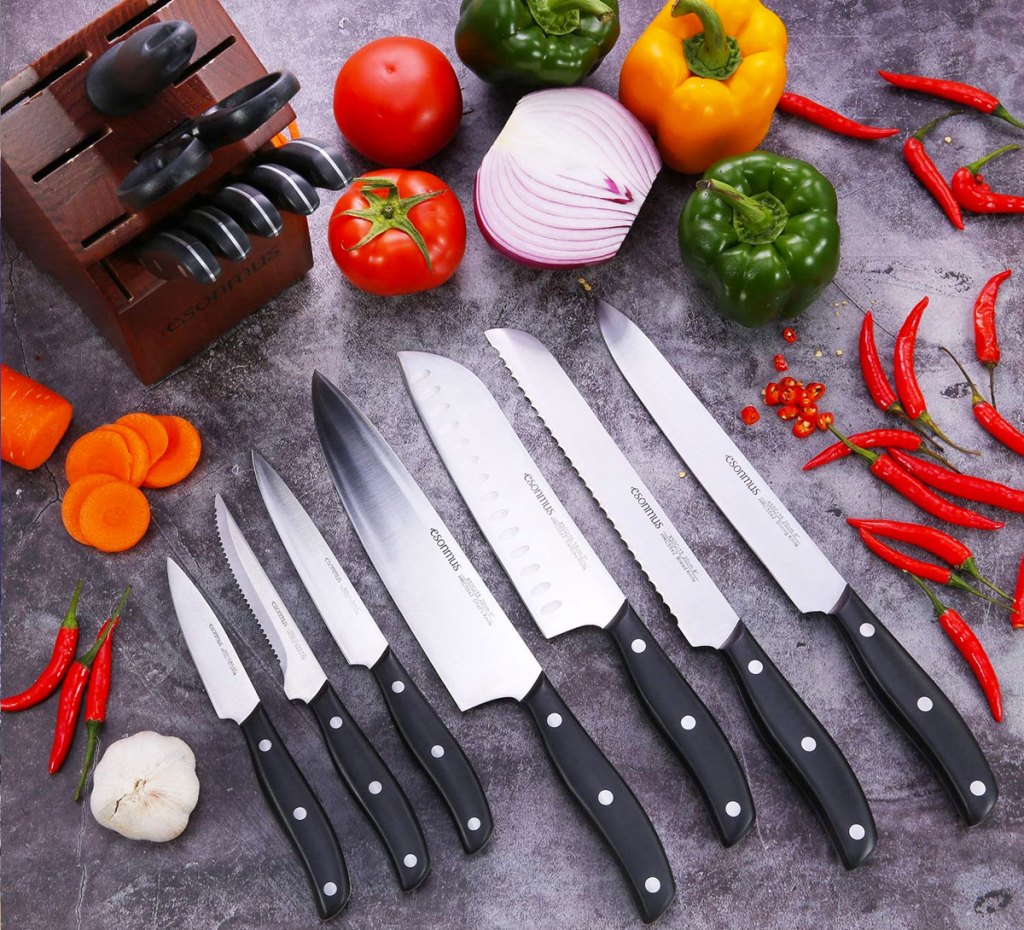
559,577
362,770
467,637
297,808
704,616
902,687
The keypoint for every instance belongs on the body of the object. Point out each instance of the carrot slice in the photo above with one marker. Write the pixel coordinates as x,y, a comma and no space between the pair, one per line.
136,447
114,516
74,497
101,452
183,450
33,419
151,430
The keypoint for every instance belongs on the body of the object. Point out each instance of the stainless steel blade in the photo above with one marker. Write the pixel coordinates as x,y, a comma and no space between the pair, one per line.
792,557
303,676
228,686
465,634
703,614
559,577
342,609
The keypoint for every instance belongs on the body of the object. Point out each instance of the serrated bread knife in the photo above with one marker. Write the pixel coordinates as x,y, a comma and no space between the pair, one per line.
559,577
467,637
703,615
362,770
812,583
297,808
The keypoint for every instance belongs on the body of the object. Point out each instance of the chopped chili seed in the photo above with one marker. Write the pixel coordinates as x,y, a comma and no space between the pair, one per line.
825,420
803,428
749,415
809,411
780,362
788,395
789,334
788,412
772,395
787,382
815,389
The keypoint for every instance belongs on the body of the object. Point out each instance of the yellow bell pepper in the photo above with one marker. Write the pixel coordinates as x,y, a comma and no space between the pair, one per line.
704,78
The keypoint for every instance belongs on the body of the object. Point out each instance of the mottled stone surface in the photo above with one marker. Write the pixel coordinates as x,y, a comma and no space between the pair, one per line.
544,869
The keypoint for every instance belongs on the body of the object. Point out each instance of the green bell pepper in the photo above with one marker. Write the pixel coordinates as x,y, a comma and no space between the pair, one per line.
763,232
535,43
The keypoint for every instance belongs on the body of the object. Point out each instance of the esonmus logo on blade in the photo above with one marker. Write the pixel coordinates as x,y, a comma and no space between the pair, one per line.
744,477
652,514
446,550
542,498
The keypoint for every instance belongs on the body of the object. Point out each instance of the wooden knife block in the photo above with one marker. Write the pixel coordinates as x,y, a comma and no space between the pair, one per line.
62,161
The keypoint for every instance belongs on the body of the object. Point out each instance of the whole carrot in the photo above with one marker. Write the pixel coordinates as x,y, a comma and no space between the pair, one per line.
925,170
986,340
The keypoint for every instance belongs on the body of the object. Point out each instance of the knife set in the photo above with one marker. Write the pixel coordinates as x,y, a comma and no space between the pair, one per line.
137,168
480,657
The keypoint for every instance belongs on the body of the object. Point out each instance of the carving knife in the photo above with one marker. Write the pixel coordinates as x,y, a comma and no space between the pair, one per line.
467,637
297,808
364,773
812,583
704,616
558,575
362,643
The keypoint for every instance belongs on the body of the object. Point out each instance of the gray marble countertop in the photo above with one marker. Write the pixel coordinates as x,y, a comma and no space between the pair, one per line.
544,868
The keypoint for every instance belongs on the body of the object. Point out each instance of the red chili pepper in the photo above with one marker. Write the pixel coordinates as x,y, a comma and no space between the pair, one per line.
788,412
749,415
906,378
1017,617
914,490
803,428
789,334
780,362
986,341
772,395
814,390
970,487
920,162
96,699
51,676
872,439
995,424
969,646
973,193
953,90
835,122
875,378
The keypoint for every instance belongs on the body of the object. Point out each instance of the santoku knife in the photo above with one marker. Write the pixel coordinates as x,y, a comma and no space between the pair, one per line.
364,773
813,584
559,577
233,697
362,643
704,616
467,637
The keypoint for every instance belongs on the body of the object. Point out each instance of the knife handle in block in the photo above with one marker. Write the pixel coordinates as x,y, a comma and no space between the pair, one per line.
920,707
299,812
687,726
437,752
805,748
375,789
606,798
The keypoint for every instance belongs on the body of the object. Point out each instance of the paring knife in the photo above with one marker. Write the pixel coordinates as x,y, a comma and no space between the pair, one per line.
559,577
812,583
364,773
704,616
362,643
287,189
233,697
467,637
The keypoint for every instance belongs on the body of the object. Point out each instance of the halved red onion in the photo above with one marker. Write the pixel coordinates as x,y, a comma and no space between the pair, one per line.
563,182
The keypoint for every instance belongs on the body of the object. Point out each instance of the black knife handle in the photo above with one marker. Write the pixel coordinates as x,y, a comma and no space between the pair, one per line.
375,789
299,812
805,748
920,708
437,752
606,798
687,725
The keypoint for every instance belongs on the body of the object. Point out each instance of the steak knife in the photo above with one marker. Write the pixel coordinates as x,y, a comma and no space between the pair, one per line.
362,643
296,807
363,771
704,616
811,582
560,578
467,637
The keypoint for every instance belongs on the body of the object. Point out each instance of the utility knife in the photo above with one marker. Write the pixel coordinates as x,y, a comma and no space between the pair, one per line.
289,795
468,639
364,773
559,576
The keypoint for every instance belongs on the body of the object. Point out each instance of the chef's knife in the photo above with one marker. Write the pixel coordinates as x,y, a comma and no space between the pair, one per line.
704,616
175,253
320,164
812,583
363,771
559,577
362,643
467,637
219,231
287,189
233,697
253,210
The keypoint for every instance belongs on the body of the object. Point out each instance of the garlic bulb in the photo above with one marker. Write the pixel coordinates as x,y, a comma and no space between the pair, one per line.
145,787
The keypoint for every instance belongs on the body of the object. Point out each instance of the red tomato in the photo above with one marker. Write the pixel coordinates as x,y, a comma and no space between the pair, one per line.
392,262
397,101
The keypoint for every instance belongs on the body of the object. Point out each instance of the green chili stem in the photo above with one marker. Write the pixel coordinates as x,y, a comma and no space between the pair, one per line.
971,567
866,454
975,166
71,617
940,608
1003,113
928,127
976,396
